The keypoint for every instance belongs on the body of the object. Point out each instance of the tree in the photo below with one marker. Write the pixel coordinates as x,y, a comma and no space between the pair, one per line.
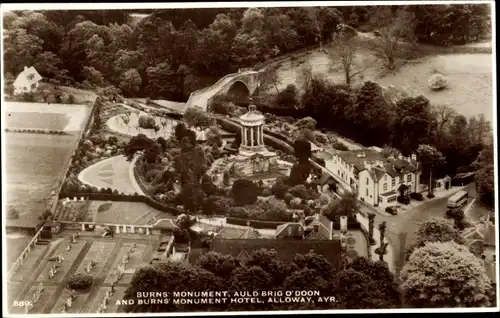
244,192
197,117
434,230
384,279
168,277
345,52
430,158
93,76
371,114
302,150
250,278
356,290
484,177
138,143
299,173
288,97
371,220
218,264
394,26
323,19
346,206
269,261
445,275
130,82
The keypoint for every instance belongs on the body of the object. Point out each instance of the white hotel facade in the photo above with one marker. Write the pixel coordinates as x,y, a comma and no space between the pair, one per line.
376,180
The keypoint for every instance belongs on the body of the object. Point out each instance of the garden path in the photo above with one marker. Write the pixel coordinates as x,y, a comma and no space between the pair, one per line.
116,173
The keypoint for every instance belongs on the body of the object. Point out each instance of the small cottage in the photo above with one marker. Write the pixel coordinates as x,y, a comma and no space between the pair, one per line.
27,81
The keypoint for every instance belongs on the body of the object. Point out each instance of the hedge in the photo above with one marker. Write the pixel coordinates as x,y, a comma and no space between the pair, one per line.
254,223
125,198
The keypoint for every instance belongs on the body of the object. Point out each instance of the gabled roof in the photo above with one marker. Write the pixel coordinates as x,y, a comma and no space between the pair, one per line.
286,249
290,230
23,77
316,235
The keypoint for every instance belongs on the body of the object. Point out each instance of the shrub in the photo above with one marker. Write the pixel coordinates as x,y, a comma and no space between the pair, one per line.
244,192
430,195
416,196
266,192
437,82
146,122
457,214
288,197
299,191
80,281
403,200
280,188
13,214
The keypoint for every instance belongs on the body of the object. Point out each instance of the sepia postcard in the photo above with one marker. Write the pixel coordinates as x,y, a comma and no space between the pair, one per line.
258,157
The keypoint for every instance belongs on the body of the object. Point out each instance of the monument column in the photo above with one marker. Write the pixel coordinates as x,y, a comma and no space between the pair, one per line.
243,136
261,134
251,136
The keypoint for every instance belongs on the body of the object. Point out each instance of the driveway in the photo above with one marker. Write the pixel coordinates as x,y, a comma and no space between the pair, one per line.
401,228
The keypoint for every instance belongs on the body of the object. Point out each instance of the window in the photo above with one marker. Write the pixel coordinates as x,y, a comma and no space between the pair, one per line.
366,191
367,182
385,177
391,199
393,182
33,86
385,186
338,172
409,178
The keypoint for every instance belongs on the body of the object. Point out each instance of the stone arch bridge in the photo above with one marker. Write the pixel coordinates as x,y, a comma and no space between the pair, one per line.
243,83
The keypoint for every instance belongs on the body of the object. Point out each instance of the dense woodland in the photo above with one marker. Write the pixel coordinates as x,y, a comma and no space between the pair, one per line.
172,52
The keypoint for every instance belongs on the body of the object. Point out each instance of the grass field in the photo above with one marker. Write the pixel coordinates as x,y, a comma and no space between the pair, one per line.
35,164
469,75
68,117
36,120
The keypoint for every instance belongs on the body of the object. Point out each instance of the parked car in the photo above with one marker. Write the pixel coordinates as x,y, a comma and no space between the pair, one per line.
417,196
391,210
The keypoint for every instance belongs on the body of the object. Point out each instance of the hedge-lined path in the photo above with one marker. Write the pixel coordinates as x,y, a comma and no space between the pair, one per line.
116,173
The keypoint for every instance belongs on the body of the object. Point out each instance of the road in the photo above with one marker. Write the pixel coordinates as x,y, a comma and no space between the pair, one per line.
401,228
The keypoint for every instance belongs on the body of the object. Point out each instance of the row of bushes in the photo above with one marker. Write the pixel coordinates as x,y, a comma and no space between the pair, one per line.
36,131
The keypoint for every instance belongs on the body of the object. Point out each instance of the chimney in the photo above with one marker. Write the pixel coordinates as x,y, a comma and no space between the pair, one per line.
413,157
400,156
25,68
379,163
368,165
316,227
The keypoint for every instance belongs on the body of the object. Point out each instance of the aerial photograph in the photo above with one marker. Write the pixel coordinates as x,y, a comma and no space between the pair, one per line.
299,156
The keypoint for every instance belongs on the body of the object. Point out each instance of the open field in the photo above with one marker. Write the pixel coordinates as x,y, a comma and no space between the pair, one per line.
35,164
81,95
70,118
469,76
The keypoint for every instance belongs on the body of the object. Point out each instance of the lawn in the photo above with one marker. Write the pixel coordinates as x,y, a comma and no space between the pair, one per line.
126,213
68,117
35,164
469,76
36,120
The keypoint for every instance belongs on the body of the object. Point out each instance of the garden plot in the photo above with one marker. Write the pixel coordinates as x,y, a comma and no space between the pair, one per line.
135,261
119,294
134,213
40,306
100,252
130,125
70,257
76,306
